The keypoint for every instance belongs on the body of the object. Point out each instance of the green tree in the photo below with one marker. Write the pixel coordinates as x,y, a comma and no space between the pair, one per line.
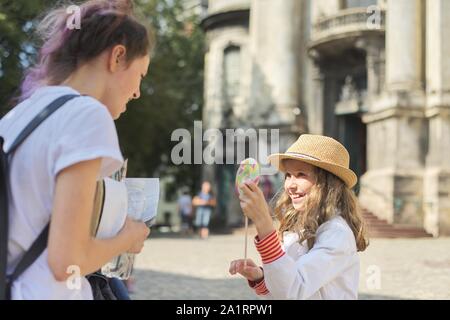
17,47
171,95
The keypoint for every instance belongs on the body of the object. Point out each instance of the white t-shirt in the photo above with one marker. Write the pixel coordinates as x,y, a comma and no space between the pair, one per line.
329,271
82,129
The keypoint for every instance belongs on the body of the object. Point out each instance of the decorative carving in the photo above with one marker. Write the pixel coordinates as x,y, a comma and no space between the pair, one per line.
349,90
344,18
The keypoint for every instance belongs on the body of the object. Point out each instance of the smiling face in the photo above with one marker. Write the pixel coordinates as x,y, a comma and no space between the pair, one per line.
299,179
124,84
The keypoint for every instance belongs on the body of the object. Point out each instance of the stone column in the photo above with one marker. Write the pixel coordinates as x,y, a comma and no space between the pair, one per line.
315,114
404,45
396,126
374,49
437,173
275,35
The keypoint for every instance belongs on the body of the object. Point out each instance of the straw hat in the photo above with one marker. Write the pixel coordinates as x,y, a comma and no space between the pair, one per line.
320,151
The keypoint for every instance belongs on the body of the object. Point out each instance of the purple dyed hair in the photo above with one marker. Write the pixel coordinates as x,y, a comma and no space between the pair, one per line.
104,24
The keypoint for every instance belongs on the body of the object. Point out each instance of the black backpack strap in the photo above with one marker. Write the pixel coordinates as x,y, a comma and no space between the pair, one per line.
40,243
44,114
27,260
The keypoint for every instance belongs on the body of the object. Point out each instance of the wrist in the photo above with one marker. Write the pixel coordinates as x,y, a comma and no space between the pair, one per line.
253,282
126,241
261,276
262,220
264,228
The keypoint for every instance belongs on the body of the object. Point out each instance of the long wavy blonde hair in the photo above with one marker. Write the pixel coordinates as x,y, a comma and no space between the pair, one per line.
326,196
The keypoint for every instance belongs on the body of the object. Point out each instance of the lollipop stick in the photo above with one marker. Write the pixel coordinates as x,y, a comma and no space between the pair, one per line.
246,236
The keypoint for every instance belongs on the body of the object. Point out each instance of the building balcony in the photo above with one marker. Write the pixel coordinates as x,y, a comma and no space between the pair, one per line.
223,13
220,6
344,28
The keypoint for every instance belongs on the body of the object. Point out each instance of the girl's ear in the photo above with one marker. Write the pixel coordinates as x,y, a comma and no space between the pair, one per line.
116,57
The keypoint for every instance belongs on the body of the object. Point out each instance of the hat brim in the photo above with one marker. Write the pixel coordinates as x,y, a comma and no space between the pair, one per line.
345,174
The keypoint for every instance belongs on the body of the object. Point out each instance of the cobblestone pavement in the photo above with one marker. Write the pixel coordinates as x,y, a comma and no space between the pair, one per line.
174,267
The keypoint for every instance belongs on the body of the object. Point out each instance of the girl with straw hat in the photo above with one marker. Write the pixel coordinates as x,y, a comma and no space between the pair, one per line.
313,254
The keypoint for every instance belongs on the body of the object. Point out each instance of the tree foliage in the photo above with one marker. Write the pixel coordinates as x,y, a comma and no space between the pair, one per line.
17,21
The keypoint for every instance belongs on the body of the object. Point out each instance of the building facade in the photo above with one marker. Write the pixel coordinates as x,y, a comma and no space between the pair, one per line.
374,74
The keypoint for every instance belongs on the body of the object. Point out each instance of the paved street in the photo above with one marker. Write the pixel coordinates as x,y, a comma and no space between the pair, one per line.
190,268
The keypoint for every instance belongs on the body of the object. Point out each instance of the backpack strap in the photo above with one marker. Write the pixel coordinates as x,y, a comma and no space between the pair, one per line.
44,114
27,260
40,243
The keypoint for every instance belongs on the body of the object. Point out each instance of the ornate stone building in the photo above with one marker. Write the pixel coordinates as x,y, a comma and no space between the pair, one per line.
373,74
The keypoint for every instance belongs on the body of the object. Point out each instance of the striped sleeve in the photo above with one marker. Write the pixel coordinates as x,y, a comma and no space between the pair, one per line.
269,248
259,287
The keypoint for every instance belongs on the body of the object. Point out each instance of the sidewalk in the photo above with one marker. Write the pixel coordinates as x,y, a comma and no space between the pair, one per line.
190,268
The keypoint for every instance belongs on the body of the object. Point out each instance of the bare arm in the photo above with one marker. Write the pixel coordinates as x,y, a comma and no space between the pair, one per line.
197,201
212,202
70,242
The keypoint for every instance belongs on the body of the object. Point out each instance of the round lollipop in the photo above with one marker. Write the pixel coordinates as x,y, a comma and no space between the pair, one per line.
248,171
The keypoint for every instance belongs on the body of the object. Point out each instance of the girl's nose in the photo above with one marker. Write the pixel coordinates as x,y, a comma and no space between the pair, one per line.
290,184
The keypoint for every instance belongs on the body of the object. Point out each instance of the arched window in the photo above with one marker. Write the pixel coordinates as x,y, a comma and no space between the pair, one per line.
231,72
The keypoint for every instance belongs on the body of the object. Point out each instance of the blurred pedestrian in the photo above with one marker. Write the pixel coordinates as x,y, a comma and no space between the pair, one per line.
204,203
185,211
267,188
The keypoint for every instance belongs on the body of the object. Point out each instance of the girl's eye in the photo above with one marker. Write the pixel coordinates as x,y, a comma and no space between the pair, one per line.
287,175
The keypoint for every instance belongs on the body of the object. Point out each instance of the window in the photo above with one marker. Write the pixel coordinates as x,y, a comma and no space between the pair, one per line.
231,72
230,80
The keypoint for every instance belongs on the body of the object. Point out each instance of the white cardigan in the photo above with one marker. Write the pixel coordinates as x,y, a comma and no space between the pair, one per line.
330,270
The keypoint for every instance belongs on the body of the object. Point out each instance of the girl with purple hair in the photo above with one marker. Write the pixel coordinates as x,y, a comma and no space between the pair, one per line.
53,173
